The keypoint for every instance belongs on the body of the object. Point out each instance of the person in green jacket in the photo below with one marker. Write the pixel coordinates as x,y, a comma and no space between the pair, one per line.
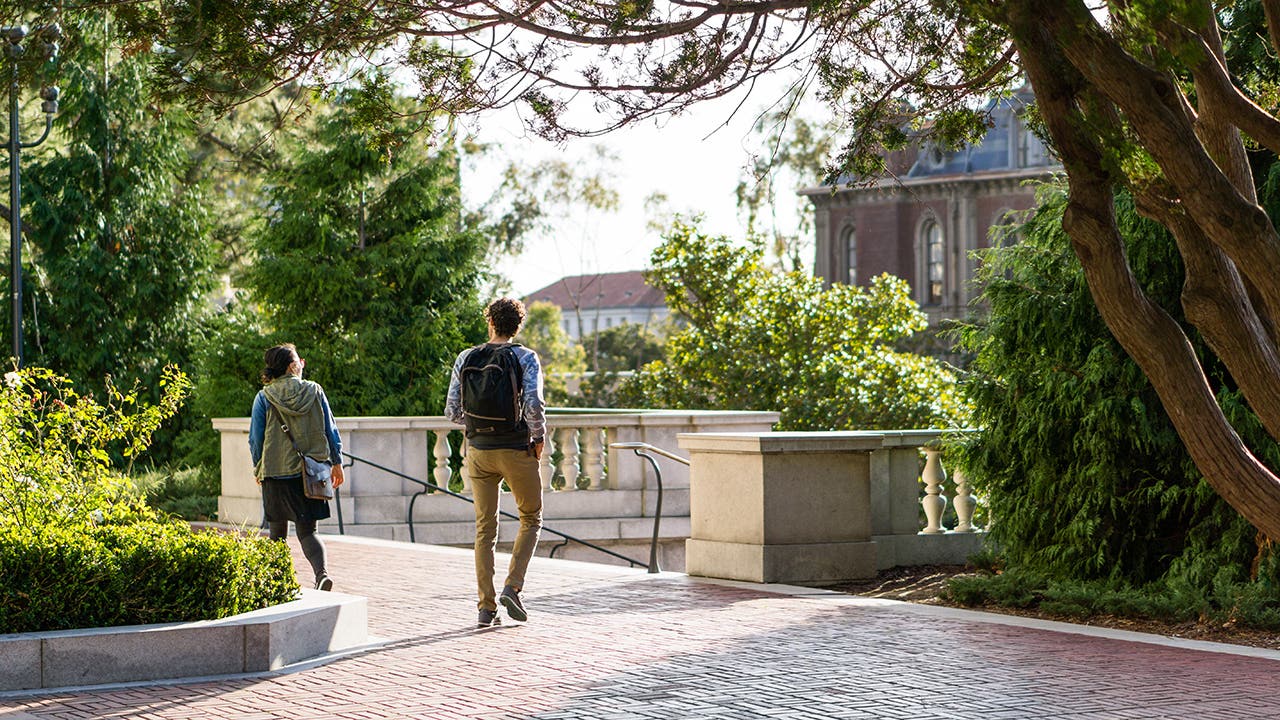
301,404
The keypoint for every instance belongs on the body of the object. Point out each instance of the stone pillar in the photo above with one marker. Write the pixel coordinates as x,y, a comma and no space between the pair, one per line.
781,507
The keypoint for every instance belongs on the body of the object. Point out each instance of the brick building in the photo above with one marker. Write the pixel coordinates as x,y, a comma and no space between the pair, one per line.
923,223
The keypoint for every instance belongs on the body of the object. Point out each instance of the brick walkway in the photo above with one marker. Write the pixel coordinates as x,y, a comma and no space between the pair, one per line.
612,643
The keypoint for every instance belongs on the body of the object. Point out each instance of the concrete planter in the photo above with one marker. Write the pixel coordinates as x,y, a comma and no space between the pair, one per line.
317,624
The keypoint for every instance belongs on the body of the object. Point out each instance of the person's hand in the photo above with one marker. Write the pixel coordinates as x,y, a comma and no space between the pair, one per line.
338,477
535,448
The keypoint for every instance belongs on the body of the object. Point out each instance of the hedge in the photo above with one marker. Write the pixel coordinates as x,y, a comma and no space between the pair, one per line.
56,578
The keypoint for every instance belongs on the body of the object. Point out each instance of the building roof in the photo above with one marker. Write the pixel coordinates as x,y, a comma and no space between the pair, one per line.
1007,149
601,290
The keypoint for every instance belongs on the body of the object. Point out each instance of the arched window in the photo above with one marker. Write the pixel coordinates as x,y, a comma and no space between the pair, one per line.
935,259
849,241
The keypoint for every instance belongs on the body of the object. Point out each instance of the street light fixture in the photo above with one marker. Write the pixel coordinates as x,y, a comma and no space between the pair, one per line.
44,42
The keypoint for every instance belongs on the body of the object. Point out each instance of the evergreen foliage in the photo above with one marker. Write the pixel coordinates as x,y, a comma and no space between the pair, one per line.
1085,476
119,260
378,313
760,339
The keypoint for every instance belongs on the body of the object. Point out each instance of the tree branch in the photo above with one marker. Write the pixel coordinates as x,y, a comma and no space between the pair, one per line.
1158,112
1271,8
7,215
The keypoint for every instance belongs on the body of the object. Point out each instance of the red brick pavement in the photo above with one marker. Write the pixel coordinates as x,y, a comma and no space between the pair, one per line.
612,643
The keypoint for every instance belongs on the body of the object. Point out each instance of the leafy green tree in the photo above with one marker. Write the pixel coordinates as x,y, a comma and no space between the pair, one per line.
544,332
626,346
364,264
1081,466
120,259
759,339
1150,97
794,152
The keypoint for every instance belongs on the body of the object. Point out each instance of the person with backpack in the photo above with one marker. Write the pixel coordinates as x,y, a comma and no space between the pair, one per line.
496,392
291,416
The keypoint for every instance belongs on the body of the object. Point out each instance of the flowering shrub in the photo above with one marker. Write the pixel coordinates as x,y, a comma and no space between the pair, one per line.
79,547
58,446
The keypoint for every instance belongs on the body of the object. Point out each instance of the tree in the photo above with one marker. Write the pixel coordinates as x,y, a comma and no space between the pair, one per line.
1146,95
120,259
560,356
626,346
365,264
794,153
1085,476
760,339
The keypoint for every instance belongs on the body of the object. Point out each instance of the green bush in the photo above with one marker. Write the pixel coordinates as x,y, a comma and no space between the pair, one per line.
79,547
110,575
757,339
189,493
1084,475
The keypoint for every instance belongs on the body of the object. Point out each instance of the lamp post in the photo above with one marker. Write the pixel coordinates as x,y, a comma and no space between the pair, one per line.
45,39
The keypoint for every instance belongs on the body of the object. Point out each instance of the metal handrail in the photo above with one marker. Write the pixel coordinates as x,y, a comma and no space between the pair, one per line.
430,486
639,448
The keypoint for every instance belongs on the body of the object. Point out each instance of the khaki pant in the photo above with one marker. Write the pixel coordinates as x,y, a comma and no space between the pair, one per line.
486,469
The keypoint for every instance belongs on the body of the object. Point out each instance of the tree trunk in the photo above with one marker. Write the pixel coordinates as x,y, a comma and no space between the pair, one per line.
1074,107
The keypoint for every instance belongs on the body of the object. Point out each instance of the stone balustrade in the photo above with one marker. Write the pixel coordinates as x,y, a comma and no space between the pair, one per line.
593,492
754,505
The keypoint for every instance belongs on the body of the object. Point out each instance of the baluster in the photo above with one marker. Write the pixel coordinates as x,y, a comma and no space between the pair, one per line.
933,502
442,453
569,461
545,470
963,503
593,459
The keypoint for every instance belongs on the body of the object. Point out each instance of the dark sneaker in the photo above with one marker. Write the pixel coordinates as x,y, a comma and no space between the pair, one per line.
324,582
510,600
488,618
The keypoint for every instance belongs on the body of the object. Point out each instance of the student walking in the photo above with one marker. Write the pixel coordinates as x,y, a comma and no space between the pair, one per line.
288,400
496,392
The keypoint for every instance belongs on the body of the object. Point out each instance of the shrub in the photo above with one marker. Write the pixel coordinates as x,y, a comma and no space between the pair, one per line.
1252,604
1083,472
109,575
62,450
757,339
189,493
79,548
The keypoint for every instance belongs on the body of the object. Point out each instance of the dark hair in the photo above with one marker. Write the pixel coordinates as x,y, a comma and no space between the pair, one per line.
277,360
506,314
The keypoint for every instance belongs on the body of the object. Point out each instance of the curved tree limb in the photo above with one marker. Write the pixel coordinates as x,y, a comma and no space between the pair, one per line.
1150,336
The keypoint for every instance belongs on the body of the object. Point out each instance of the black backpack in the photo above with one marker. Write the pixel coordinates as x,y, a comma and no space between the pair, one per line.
491,380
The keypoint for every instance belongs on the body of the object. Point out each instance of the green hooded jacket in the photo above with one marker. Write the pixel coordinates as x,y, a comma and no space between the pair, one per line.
298,401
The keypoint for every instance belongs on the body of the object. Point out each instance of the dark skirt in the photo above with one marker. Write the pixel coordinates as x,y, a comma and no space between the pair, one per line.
282,499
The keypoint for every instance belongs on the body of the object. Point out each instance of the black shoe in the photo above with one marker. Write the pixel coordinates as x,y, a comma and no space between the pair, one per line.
488,618
510,600
324,582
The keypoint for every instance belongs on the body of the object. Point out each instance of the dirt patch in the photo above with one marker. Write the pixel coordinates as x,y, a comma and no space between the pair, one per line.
924,585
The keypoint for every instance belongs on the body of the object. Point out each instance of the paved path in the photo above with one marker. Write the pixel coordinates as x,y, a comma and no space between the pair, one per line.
618,644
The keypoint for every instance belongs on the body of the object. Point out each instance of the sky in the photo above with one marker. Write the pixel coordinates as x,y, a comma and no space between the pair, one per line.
695,159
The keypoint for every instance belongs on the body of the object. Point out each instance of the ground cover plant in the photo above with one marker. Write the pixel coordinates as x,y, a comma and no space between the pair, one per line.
79,547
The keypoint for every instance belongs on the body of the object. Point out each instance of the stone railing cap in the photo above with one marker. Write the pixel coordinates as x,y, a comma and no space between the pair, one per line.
824,441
